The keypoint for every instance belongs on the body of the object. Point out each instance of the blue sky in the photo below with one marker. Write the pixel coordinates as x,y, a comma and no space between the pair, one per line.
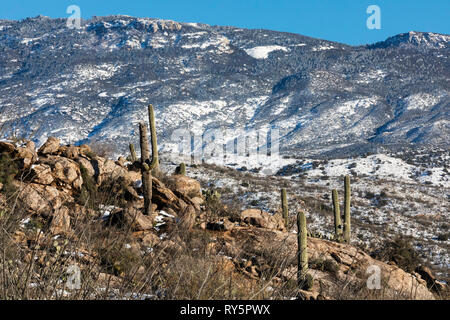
336,20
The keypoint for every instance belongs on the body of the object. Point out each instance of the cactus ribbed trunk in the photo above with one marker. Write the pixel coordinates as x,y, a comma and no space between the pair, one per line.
155,159
145,169
302,254
133,153
337,216
183,169
347,225
284,207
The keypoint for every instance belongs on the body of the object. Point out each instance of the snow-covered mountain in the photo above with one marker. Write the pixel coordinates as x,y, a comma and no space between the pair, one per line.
94,83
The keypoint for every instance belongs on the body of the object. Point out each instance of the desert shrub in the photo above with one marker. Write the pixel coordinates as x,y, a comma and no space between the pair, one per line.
400,251
102,149
8,170
443,237
307,283
324,265
369,195
118,259
88,192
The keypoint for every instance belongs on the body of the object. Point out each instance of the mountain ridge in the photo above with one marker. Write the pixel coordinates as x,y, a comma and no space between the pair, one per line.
93,84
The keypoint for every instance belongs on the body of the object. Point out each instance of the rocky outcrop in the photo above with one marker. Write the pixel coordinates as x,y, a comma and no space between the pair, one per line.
261,219
254,243
351,265
51,146
185,185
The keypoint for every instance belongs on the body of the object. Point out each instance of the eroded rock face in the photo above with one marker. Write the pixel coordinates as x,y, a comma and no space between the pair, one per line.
41,199
261,219
107,169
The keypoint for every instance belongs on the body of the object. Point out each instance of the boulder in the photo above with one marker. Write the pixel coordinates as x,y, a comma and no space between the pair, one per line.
86,163
51,146
261,219
223,224
85,149
108,169
27,154
7,147
70,152
186,186
121,161
40,199
132,217
164,197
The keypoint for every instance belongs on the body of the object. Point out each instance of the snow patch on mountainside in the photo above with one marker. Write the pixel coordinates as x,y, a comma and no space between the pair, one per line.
382,166
262,52
421,101
322,48
371,76
90,72
350,108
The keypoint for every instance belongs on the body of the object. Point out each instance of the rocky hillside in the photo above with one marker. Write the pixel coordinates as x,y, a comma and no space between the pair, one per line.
92,84
65,208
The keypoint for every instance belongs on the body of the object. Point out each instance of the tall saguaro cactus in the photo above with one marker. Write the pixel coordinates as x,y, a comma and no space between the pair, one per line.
347,224
155,159
337,216
145,169
284,207
302,254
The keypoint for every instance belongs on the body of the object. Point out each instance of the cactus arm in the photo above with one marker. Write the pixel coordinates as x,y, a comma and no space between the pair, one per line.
154,164
133,153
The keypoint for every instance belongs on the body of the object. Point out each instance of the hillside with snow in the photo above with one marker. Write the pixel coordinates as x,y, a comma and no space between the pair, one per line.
93,84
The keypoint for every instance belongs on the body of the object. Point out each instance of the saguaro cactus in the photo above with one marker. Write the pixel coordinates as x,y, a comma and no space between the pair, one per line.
337,216
347,224
182,169
284,207
302,254
145,169
155,159
133,153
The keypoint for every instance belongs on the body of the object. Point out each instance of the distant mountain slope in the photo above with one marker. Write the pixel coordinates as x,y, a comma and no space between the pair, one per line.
94,83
